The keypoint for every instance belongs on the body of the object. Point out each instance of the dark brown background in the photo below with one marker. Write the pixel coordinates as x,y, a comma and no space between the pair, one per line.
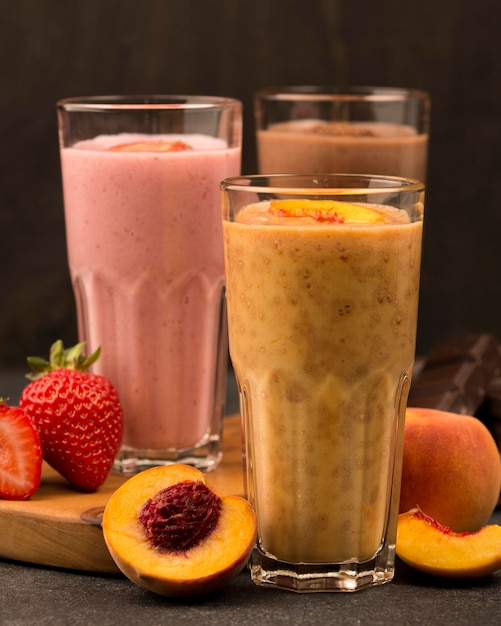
51,49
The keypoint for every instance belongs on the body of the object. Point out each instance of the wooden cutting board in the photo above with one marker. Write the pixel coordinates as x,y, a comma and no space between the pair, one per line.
61,527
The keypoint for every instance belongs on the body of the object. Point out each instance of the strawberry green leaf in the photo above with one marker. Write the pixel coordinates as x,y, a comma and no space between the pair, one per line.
61,358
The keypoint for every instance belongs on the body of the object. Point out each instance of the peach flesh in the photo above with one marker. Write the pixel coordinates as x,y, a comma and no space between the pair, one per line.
451,468
150,146
434,549
200,569
326,211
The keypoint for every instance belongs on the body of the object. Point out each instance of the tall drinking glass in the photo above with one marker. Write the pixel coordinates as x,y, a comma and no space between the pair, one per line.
141,193
356,130
322,278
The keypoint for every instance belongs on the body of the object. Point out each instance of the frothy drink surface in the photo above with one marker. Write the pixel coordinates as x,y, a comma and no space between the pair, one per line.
315,146
145,255
322,328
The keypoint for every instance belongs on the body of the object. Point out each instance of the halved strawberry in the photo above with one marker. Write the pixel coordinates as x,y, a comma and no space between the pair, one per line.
78,416
20,454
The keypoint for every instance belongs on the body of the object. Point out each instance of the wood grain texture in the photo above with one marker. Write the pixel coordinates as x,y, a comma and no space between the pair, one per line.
61,527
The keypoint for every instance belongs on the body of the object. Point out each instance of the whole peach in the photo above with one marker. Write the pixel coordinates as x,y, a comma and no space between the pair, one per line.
451,468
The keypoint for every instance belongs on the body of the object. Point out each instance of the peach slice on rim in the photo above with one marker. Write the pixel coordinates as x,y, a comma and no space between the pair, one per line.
434,549
327,211
151,146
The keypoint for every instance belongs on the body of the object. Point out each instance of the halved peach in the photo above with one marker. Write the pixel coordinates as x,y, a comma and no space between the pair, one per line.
151,146
429,547
169,533
327,211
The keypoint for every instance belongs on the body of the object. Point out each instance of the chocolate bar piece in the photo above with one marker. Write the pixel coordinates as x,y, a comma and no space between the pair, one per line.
490,412
456,375
493,398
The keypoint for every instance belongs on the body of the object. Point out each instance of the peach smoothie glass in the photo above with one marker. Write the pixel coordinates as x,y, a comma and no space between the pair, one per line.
356,130
141,193
322,279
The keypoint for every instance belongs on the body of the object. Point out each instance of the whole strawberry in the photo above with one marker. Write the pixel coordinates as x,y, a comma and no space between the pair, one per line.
77,414
20,454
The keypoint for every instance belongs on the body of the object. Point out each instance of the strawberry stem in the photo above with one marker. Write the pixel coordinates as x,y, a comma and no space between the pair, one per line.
61,358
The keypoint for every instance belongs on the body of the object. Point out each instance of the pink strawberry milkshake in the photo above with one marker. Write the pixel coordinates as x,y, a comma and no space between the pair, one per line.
146,259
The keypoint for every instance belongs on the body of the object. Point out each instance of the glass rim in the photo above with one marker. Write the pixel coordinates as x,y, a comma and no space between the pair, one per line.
255,183
348,93
146,102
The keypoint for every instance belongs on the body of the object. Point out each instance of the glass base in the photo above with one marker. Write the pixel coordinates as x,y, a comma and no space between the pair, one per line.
205,457
267,571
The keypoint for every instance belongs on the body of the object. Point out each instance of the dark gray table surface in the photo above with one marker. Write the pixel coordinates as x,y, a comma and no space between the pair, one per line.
39,595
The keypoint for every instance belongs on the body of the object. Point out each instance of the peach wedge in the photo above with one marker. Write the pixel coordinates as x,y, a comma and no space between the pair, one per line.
429,547
151,146
327,211
169,533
